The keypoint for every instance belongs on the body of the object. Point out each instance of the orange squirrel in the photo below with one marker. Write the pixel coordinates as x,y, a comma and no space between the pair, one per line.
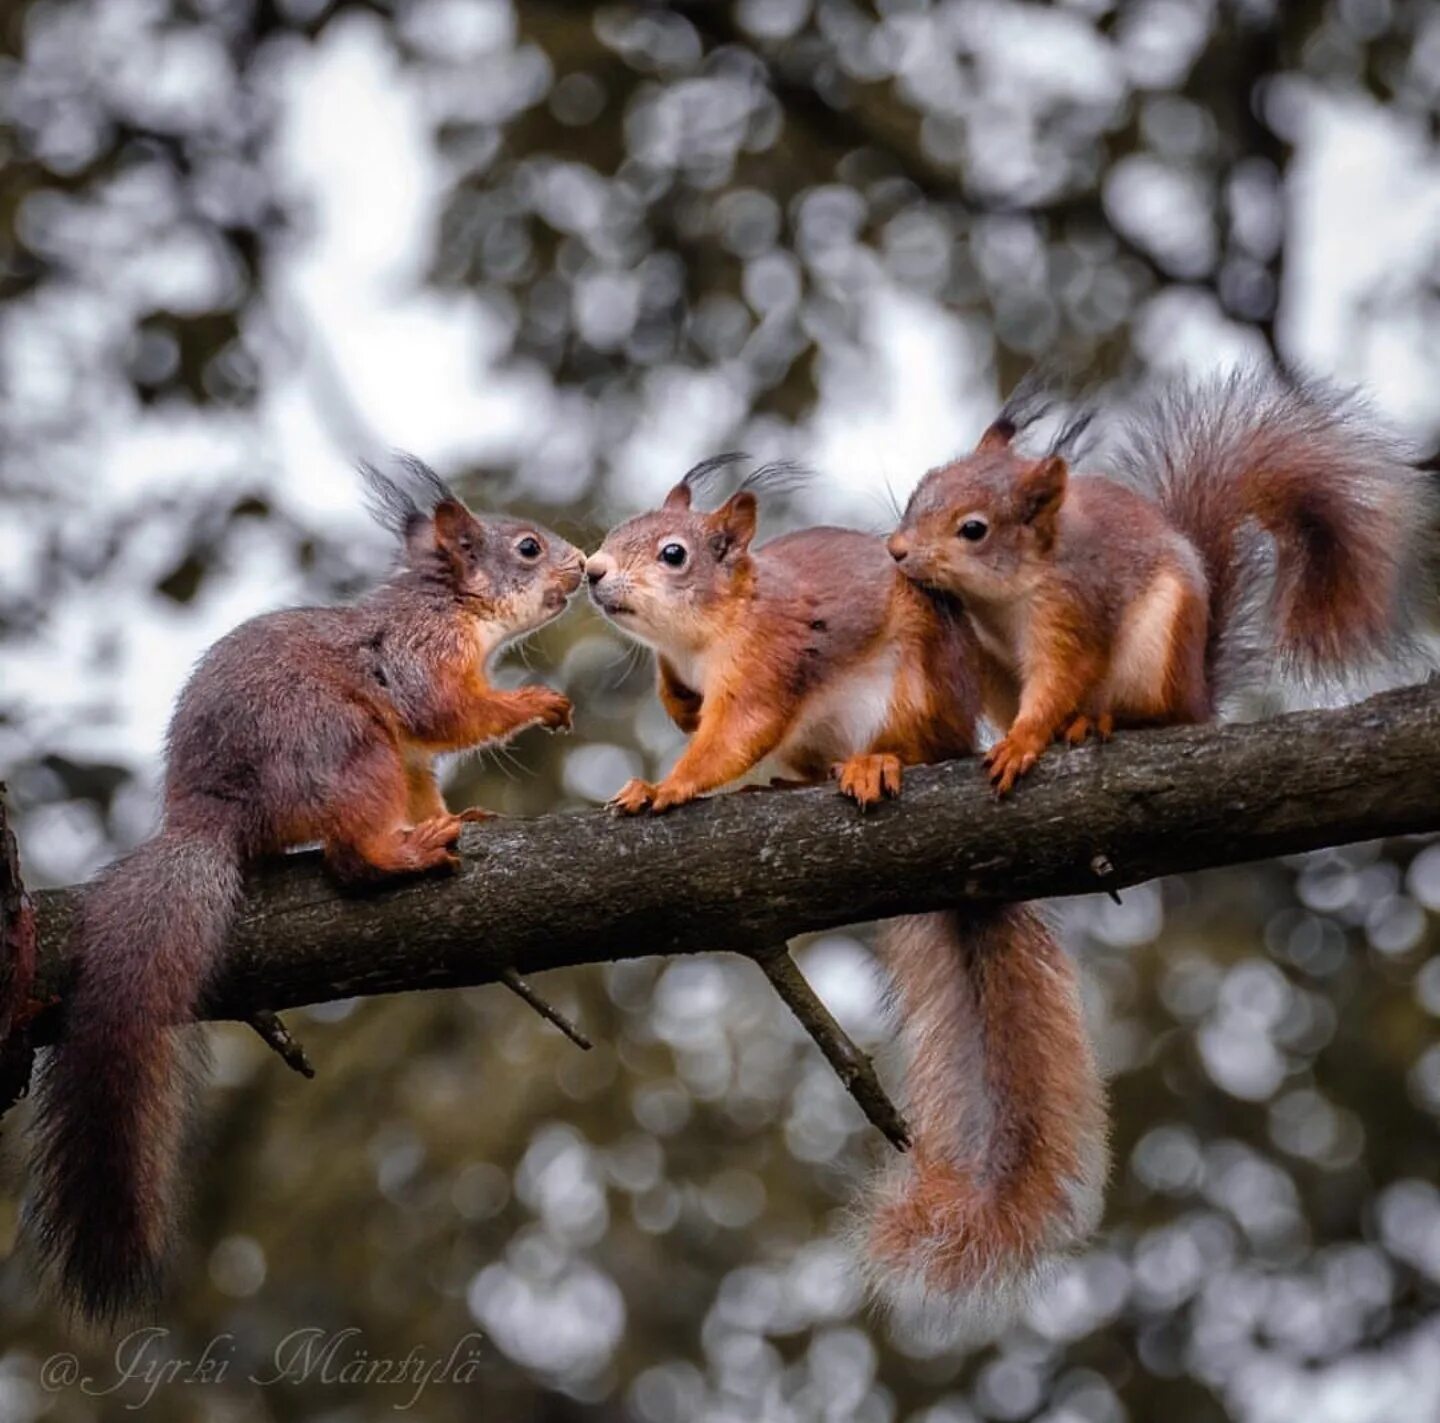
1145,600
313,724
811,656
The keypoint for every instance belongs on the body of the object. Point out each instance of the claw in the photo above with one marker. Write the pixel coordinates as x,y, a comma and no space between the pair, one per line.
632,798
1009,759
869,778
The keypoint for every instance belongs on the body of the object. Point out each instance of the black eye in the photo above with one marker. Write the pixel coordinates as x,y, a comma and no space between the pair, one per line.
974,530
673,554
528,547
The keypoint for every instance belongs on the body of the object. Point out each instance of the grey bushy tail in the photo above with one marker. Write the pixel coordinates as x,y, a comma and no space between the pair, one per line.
1333,590
112,1102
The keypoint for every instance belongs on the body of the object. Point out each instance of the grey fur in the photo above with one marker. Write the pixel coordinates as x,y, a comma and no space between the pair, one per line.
399,504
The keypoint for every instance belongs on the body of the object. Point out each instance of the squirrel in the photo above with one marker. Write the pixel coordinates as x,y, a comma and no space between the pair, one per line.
312,724
811,656
1251,523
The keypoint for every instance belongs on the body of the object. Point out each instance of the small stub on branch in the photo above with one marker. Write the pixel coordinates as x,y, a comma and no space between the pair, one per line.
276,1036
1103,869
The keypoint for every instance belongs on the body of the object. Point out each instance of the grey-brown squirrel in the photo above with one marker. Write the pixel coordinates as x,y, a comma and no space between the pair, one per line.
808,656
313,724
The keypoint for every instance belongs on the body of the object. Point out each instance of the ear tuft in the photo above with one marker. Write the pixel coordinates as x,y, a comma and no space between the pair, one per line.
997,436
678,498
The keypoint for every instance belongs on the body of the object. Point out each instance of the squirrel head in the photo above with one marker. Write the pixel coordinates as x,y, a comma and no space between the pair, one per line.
984,525
511,573
667,577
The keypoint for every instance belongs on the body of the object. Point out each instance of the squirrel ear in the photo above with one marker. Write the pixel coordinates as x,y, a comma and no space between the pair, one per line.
456,530
1042,487
678,498
733,524
997,436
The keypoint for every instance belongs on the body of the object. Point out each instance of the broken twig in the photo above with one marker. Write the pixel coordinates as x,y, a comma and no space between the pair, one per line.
852,1066
548,1011
276,1036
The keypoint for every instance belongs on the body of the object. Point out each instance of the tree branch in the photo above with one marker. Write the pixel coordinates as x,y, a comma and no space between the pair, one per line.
851,1066
739,871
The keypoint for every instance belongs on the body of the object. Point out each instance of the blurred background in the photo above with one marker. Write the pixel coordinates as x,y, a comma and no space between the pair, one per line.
561,252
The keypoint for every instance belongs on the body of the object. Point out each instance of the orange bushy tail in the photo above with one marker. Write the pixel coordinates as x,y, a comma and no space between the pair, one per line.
1009,1160
1334,590
112,1101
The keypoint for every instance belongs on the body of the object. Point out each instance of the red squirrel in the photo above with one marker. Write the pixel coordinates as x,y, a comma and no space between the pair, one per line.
812,656
1250,521
313,724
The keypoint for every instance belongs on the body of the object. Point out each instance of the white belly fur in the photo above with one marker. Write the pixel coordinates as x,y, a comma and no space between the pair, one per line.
1143,646
842,720
689,667
1002,629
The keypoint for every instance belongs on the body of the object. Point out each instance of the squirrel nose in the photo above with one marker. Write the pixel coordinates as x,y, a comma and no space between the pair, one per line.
899,547
596,567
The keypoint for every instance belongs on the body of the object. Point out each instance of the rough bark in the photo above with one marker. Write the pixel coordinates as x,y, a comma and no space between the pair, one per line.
748,872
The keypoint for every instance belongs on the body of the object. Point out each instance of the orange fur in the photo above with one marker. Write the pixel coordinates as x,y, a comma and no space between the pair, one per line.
815,655
680,703
1094,598
1010,1124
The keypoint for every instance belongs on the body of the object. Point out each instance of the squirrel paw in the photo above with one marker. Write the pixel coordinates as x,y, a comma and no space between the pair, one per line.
669,794
633,797
869,779
553,710
1080,727
431,844
1010,758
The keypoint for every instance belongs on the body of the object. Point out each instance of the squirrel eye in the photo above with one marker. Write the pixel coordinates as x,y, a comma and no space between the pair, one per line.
528,547
673,554
973,530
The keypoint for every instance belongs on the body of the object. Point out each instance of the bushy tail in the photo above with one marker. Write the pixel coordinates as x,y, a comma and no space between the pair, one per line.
1007,1171
112,1101
1335,590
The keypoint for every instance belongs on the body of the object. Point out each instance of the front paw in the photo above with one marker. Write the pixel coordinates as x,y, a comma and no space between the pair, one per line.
1011,757
869,779
552,710
633,797
669,794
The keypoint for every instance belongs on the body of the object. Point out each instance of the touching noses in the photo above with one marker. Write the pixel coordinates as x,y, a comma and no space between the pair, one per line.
899,547
597,566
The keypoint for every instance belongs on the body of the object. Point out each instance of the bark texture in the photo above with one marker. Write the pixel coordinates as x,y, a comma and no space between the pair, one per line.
748,872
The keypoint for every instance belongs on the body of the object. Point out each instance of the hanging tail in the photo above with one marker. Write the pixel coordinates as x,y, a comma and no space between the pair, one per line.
1007,1172
1337,587
112,1103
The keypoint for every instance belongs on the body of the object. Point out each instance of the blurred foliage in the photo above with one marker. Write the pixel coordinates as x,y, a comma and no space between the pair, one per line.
654,1231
